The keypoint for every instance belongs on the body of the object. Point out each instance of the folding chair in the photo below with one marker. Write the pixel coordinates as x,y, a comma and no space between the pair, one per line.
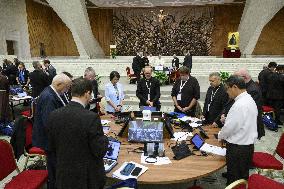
264,160
31,152
256,181
30,179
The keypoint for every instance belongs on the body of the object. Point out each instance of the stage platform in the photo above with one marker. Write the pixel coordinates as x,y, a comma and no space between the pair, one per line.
202,66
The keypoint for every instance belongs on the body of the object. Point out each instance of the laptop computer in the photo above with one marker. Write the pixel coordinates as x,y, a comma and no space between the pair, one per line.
110,159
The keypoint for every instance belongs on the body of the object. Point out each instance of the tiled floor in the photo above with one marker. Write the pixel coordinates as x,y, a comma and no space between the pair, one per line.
214,181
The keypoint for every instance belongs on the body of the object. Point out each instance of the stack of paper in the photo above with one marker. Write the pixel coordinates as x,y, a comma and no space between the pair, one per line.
180,136
117,174
21,98
213,149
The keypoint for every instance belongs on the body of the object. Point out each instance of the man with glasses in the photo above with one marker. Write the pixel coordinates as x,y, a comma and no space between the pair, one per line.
148,90
90,75
240,130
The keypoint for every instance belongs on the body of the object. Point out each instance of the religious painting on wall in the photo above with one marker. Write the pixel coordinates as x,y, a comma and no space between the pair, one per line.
166,32
233,40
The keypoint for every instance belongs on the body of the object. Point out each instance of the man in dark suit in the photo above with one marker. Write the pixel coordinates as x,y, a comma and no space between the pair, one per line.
49,100
275,92
215,100
175,62
90,75
145,60
148,90
10,71
137,65
254,90
262,78
187,60
74,127
50,70
38,79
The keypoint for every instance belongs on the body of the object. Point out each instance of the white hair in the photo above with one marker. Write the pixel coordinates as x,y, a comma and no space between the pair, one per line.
60,78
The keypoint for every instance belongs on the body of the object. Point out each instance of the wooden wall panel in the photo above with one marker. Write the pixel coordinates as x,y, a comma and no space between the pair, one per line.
226,19
101,24
271,39
46,27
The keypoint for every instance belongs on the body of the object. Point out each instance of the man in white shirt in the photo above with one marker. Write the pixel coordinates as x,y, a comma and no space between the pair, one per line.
159,61
240,130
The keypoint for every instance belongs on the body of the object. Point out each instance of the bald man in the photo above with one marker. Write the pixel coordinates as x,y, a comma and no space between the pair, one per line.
254,90
148,90
50,99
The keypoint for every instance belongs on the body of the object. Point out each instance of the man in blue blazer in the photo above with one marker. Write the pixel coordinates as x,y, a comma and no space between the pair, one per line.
49,100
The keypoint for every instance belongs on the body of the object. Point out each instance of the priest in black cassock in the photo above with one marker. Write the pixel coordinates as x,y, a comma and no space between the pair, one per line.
148,90
175,62
215,100
185,92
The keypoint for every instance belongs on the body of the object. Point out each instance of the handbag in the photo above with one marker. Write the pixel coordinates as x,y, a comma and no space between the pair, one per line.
181,150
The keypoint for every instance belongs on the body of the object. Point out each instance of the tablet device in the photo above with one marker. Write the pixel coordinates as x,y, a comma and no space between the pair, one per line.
197,141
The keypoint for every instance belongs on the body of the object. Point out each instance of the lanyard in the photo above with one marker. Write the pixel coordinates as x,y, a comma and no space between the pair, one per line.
66,97
117,92
211,97
58,95
181,85
213,94
148,87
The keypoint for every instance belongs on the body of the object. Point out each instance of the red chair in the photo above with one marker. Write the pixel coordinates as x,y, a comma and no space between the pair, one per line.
31,152
268,110
174,75
30,113
195,187
30,179
131,76
256,181
264,160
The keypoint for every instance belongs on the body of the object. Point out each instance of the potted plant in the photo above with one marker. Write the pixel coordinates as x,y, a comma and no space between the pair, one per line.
224,76
161,76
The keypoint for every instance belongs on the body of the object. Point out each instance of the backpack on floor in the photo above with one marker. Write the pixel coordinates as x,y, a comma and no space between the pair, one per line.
7,128
270,123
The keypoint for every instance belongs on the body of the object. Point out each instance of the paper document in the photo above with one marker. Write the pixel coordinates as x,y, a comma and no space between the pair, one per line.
105,122
160,160
117,174
195,124
213,149
179,136
21,98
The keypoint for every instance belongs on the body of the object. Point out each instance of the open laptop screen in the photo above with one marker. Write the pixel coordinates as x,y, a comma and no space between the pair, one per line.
145,131
197,141
113,150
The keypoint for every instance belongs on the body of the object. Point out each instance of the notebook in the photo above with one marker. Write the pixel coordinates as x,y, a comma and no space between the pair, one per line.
110,159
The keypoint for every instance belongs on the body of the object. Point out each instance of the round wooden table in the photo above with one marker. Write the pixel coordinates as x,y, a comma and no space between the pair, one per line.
179,171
